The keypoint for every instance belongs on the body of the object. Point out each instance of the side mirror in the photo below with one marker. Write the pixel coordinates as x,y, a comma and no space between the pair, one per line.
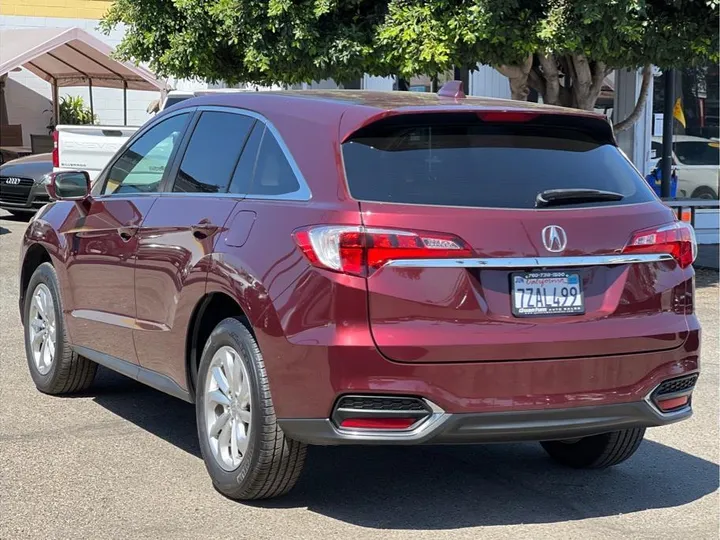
69,185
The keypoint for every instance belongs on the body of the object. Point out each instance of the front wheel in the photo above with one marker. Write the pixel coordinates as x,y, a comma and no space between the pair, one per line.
54,366
246,453
704,192
596,451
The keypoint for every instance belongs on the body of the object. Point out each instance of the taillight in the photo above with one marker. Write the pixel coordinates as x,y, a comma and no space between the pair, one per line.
56,149
360,251
676,239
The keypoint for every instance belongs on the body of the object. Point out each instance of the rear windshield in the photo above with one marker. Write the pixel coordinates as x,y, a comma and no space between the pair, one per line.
483,164
174,100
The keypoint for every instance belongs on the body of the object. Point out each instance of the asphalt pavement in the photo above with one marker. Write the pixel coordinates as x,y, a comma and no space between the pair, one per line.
708,256
122,461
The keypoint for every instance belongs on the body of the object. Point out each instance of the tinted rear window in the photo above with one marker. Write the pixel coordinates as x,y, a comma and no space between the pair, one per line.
697,153
483,165
174,100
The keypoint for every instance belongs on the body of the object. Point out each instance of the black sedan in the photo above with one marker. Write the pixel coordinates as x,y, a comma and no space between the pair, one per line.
22,187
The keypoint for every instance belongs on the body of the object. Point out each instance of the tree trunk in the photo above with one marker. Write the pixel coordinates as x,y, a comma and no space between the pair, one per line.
582,83
402,84
550,73
463,75
518,76
640,105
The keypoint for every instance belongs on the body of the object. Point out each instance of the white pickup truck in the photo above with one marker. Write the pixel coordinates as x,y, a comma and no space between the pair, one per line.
87,148
90,148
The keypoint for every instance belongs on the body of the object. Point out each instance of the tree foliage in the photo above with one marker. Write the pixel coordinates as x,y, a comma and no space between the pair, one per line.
74,111
562,48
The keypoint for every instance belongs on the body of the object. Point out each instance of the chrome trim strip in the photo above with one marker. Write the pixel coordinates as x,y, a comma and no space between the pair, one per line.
532,262
117,320
183,194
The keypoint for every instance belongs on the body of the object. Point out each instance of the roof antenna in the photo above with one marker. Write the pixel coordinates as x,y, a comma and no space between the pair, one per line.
452,89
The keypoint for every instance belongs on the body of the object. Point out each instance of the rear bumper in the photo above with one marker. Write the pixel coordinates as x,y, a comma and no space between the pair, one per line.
307,380
508,426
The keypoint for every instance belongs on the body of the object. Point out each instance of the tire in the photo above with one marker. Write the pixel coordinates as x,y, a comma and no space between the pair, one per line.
596,451
61,371
264,463
704,192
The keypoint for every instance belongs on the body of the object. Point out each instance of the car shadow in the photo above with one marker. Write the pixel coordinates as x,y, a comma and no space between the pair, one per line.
706,277
442,487
20,218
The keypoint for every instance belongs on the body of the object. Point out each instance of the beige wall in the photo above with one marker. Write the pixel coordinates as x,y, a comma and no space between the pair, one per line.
77,9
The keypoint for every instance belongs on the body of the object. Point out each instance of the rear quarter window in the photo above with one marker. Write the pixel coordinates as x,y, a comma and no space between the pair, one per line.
476,164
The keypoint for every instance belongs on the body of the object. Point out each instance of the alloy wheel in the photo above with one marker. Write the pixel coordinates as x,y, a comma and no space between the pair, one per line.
42,328
228,408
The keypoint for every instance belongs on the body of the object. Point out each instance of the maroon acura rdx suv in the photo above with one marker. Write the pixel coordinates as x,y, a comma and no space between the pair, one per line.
370,268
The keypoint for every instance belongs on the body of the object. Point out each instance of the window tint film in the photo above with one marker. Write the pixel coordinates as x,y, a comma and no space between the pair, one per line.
273,174
212,153
471,163
243,175
141,167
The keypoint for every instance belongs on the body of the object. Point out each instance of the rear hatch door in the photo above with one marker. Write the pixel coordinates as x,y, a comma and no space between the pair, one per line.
528,292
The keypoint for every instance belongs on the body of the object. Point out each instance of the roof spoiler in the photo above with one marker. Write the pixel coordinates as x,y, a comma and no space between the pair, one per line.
452,89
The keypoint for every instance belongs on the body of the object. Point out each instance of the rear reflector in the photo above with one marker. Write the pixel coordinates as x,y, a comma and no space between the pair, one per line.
56,149
360,251
676,239
672,403
378,423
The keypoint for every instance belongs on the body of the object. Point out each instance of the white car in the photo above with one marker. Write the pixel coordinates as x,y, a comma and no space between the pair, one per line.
176,96
698,165
89,148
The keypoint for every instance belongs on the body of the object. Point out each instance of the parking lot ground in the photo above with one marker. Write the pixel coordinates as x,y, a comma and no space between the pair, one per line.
708,256
122,461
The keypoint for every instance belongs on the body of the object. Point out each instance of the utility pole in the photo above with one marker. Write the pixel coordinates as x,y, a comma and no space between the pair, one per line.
667,137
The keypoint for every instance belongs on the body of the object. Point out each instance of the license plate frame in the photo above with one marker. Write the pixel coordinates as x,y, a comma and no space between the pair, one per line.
551,280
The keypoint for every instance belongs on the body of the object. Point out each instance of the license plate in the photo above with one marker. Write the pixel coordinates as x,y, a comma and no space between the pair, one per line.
547,293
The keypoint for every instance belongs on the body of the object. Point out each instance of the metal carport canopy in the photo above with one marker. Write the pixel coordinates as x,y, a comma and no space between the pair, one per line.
70,57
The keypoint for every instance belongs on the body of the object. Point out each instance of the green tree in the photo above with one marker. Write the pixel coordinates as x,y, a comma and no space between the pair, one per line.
561,48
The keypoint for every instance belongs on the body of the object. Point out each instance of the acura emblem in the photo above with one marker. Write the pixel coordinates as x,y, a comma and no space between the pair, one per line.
12,181
554,238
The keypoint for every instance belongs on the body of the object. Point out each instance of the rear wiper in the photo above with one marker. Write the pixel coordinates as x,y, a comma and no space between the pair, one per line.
559,197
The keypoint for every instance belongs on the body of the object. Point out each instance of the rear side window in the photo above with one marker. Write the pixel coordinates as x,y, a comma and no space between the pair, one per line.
212,153
243,175
273,173
476,164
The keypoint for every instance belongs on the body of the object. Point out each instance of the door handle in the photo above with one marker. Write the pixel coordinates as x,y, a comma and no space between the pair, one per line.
126,233
203,229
